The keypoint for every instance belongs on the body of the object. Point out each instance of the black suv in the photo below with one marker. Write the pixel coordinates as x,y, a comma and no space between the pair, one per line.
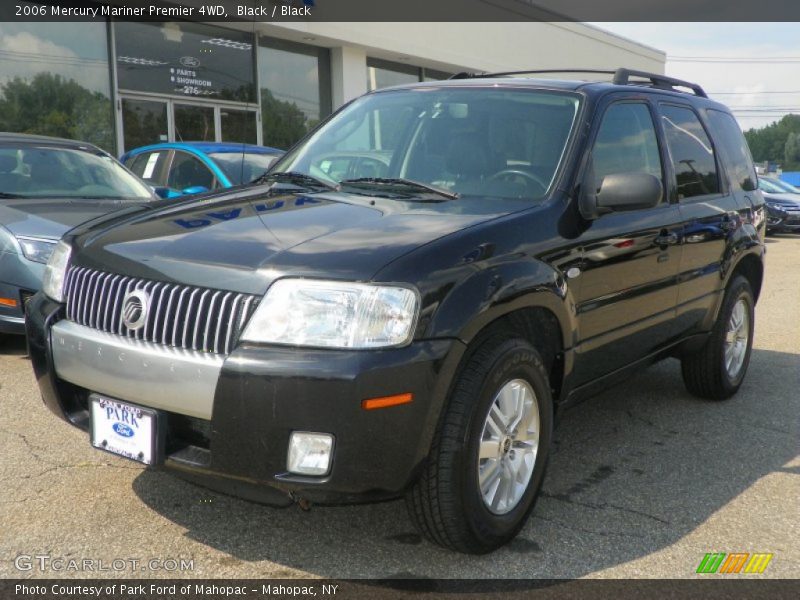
407,300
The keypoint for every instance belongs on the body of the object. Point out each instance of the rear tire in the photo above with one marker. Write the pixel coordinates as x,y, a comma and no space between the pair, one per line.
488,457
716,371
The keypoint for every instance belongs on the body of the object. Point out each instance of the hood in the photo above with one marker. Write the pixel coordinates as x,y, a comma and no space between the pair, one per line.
244,241
51,217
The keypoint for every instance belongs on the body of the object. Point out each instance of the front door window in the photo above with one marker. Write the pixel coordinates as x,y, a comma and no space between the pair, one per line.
188,171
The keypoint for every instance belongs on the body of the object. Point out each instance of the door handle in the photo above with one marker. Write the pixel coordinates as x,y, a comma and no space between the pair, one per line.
666,239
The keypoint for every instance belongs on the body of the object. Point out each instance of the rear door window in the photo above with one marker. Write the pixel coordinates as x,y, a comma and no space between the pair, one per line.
691,151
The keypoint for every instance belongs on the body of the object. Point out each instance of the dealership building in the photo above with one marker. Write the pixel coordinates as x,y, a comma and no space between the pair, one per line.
122,84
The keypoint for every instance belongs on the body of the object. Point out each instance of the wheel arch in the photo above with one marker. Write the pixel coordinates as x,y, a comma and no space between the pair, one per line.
541,328
751,266
528,299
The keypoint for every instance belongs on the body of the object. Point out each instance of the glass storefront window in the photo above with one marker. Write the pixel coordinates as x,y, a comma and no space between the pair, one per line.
185,59
144,122
382,73
434,75
238,126
55,80
194,123
295,90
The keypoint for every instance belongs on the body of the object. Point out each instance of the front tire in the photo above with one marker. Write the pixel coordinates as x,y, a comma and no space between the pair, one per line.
488,457
716,371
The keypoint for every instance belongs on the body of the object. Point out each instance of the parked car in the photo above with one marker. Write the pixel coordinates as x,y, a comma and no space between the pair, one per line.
47,186
772,185
322,340
184,168
783,205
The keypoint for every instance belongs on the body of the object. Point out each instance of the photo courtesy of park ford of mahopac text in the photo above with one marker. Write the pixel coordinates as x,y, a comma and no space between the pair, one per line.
359,300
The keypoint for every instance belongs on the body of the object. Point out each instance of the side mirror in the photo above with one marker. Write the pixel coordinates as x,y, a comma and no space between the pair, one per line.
165,192
621,191
194,189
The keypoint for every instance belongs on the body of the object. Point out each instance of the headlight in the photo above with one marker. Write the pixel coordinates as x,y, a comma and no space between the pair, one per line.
334,314
54,272
36,249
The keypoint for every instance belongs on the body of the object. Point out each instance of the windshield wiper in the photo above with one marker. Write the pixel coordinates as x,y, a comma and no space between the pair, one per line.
9,195
399,181
294,177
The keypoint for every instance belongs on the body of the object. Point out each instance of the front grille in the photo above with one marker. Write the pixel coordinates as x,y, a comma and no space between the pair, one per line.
181,316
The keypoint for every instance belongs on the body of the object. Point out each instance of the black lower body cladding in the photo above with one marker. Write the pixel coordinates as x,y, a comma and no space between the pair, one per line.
264,394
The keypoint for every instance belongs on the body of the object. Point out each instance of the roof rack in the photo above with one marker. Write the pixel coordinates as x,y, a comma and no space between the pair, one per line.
621,77
465,75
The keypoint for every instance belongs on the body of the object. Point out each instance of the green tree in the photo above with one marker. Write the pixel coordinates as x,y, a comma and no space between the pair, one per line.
769,143
791,151
49,104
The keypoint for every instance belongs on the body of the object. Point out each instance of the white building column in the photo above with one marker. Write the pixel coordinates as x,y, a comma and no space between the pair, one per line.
348,74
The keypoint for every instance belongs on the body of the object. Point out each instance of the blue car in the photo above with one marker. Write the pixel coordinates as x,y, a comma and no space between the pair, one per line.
182,168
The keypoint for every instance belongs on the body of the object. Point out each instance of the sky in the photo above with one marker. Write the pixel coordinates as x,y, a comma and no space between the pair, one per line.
754,68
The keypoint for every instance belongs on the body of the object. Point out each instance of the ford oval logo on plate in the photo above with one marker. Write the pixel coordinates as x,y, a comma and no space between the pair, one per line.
190,61
123,430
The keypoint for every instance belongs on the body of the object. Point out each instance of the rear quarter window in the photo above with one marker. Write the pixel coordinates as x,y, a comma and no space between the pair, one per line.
149,166
735,151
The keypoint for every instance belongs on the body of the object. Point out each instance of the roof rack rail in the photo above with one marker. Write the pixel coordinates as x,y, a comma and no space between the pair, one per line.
465,75
623,76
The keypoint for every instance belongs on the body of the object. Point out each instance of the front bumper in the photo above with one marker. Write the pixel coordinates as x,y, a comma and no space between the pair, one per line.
229,419
780,219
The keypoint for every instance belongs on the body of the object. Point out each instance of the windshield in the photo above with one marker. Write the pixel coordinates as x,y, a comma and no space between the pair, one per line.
493,142
776,186
243,167
28,171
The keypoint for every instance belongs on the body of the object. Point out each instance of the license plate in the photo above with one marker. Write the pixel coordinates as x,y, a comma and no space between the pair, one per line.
124,429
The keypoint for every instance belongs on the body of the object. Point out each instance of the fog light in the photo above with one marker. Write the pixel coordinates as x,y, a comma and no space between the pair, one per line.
309,453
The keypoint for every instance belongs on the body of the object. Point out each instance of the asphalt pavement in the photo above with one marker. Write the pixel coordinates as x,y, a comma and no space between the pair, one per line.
644,481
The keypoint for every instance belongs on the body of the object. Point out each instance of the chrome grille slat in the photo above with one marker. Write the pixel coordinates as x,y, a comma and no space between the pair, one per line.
159,307
197,323
72,275
184,341
245,313
101,308
208,321
101,283
86,281
183,316
165,326
232,319
221,311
